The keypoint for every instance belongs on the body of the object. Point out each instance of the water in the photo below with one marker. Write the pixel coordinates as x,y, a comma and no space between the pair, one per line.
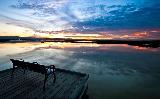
116,71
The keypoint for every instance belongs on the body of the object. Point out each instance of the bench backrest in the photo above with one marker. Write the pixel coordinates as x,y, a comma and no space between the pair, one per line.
31,66
36,67
18,63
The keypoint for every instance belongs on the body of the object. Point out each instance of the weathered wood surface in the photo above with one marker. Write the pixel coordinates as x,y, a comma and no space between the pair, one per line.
68,85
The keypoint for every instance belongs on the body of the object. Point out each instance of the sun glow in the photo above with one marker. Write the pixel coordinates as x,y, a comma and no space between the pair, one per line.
13,30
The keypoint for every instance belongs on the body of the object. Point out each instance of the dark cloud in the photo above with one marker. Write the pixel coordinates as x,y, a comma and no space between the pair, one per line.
126,17
23,6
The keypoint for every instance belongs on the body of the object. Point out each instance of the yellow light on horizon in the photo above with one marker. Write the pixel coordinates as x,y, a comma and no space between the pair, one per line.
13,30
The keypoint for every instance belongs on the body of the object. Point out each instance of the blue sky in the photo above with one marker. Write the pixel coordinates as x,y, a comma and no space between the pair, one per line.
82,16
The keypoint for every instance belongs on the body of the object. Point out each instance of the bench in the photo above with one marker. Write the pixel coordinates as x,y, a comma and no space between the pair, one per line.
35,67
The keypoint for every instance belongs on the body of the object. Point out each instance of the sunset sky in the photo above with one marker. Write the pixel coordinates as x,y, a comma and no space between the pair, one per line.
111,19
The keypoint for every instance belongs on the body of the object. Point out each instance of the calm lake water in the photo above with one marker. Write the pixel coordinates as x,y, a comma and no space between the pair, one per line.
116,71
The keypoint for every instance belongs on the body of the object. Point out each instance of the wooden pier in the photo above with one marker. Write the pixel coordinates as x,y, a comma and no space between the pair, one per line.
68,85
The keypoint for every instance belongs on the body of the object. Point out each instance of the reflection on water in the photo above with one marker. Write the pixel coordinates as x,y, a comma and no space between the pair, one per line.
23,47
117,71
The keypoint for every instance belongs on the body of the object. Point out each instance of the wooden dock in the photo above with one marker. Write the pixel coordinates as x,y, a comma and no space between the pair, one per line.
68,85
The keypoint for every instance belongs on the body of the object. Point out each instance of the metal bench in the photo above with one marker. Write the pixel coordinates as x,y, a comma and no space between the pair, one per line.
35,67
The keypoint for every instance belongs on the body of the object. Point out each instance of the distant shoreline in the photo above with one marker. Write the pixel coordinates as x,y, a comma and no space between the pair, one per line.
143,43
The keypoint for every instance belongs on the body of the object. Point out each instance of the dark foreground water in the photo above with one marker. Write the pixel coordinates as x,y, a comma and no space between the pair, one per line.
116,71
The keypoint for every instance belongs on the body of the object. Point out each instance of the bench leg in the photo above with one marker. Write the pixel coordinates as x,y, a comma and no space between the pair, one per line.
45,79
13,69
54,77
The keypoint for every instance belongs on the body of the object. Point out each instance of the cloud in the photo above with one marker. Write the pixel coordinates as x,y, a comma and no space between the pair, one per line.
12,21
125,17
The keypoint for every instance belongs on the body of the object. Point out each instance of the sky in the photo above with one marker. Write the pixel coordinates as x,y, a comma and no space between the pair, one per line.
106,18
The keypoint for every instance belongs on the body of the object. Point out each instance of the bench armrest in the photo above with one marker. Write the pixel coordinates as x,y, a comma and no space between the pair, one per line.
50,67
35,63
